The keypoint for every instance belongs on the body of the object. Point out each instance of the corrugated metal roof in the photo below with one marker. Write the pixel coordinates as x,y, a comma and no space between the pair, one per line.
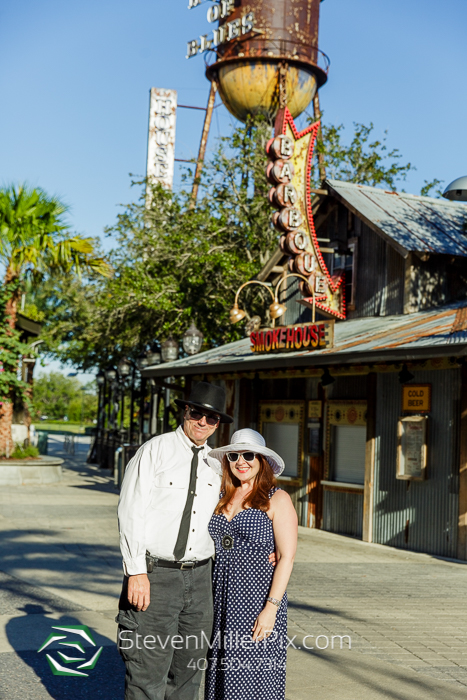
426,333
415,223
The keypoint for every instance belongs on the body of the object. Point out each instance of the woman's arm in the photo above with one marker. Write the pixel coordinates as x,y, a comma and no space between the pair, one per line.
285,526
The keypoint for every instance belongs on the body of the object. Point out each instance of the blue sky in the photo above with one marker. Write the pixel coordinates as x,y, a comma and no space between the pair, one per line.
75,80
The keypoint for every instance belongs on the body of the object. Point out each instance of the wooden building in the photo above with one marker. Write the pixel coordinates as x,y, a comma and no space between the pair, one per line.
372,423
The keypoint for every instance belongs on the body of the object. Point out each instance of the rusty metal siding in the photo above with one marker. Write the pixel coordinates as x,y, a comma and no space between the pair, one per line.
343,513
420,516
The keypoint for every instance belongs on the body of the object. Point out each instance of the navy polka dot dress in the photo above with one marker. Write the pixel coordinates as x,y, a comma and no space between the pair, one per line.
238,668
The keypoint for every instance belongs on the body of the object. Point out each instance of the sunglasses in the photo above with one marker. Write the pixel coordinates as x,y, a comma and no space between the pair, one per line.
235,456
197,415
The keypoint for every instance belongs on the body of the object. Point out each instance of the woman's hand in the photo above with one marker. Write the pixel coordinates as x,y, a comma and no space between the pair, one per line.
264,623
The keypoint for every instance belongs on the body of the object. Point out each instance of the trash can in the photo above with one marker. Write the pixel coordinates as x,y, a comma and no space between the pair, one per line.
42,440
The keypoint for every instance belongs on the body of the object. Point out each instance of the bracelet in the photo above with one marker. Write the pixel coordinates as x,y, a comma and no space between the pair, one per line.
274,601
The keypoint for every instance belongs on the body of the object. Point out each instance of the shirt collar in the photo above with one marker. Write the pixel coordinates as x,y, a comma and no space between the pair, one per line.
187,442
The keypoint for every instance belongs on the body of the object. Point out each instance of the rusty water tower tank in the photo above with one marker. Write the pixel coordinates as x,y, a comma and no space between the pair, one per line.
278,55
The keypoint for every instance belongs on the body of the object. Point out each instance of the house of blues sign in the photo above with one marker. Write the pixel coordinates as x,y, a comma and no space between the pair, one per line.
303,336
290,153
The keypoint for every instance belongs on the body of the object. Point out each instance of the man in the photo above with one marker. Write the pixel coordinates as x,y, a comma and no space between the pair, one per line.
168,496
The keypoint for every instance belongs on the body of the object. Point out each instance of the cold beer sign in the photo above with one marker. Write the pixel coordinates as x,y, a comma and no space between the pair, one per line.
304,336
416,398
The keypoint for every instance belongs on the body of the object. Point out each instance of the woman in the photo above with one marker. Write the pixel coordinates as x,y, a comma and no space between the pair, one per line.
253,519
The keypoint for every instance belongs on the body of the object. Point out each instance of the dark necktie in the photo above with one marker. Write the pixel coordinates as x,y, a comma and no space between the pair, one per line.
182,539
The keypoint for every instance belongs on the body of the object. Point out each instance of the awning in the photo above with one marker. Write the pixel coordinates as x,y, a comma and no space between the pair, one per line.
438,332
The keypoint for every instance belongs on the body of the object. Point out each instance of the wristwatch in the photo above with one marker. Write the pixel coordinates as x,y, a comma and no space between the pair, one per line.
274,601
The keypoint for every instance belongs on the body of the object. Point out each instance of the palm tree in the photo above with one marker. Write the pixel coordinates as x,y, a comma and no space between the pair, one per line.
34,241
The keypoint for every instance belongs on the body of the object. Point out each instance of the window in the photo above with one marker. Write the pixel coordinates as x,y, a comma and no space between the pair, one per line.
282,426
348,445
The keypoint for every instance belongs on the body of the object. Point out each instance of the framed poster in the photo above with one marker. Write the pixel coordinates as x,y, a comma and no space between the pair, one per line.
412,448
281,423
345,441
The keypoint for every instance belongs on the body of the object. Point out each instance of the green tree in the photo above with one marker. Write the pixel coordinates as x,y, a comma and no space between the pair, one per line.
174,262
363,160
34,241
57,396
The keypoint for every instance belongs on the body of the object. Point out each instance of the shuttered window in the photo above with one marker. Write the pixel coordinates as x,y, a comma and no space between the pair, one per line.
348,452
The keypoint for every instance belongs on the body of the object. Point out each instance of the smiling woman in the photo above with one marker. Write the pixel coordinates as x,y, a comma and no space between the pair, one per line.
252,520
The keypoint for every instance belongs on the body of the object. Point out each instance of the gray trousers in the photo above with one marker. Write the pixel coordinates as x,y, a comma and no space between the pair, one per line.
164,647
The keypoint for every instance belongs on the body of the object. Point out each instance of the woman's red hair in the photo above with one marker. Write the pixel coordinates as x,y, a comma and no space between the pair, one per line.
259,495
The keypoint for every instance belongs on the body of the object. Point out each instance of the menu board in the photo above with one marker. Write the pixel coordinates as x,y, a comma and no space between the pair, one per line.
412,447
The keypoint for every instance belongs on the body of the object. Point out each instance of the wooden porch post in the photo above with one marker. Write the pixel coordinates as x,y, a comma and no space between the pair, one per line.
367,535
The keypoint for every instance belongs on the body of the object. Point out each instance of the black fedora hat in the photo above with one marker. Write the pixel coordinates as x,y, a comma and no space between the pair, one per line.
207,397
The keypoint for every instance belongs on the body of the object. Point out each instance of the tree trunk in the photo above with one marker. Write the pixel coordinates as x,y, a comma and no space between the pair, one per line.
6,407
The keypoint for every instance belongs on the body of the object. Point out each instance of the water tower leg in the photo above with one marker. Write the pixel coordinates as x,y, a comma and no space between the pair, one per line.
317,116
204,141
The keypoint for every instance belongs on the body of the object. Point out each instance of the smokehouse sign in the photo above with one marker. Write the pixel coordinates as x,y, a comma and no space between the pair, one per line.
225,32
303,336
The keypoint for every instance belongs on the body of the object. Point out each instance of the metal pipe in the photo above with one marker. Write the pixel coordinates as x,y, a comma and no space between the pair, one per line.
204,141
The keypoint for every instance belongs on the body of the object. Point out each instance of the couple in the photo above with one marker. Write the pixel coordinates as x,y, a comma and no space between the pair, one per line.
174,610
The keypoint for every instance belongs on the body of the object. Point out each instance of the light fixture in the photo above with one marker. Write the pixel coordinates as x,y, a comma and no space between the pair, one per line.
169,349
124,368
327,378
154,355
142,360
277,309
100,378
236,314
192,340
405,375
457,190
111,374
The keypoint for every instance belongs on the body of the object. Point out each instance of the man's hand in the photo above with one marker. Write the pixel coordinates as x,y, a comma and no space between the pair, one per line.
138,591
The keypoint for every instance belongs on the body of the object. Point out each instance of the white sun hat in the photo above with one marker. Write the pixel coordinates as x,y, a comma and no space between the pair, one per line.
247,440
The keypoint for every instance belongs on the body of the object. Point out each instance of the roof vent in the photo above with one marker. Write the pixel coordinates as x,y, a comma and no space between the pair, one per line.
457,190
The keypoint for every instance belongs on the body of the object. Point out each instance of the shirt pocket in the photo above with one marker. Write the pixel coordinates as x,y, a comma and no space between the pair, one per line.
170,491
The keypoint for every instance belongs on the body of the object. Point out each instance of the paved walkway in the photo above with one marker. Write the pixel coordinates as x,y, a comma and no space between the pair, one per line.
405,613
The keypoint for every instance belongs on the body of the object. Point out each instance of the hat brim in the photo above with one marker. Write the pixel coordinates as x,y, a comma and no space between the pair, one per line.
181,403
274,460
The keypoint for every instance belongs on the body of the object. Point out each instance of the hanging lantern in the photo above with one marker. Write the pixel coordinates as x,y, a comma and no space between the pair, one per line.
142,361
192,340
100,378
154,355
169,349
124,368
111,374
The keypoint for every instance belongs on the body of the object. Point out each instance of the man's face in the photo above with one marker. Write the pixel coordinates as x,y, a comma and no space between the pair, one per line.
196,427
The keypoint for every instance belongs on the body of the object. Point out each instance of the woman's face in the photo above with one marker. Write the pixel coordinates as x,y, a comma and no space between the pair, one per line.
243,470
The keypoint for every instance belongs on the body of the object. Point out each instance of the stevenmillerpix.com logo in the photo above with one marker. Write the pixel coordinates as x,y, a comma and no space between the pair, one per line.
72,647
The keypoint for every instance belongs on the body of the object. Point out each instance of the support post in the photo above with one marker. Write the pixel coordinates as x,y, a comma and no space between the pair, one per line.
462,525
204,141
367,535
317,116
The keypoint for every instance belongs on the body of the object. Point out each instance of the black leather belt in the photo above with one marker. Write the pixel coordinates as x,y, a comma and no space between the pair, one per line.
151,562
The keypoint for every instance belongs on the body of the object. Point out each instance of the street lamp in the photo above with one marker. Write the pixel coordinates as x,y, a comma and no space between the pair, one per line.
169,349
154,355
124,368
192,340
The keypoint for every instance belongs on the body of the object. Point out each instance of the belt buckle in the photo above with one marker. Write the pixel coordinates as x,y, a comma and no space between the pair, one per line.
187,565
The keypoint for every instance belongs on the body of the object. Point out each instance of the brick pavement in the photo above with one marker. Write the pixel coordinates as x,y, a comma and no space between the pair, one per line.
405,608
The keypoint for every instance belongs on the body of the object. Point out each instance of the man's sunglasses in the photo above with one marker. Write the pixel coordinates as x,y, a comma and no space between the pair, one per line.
235,456
197,415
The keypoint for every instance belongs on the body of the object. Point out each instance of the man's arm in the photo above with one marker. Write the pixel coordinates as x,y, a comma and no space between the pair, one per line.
134,500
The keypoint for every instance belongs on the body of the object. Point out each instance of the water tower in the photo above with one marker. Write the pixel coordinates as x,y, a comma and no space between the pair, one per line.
267,55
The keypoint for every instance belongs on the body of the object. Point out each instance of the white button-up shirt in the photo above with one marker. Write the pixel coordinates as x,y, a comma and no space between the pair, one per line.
153,497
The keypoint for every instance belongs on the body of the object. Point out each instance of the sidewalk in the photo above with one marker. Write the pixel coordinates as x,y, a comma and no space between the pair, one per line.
60,565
